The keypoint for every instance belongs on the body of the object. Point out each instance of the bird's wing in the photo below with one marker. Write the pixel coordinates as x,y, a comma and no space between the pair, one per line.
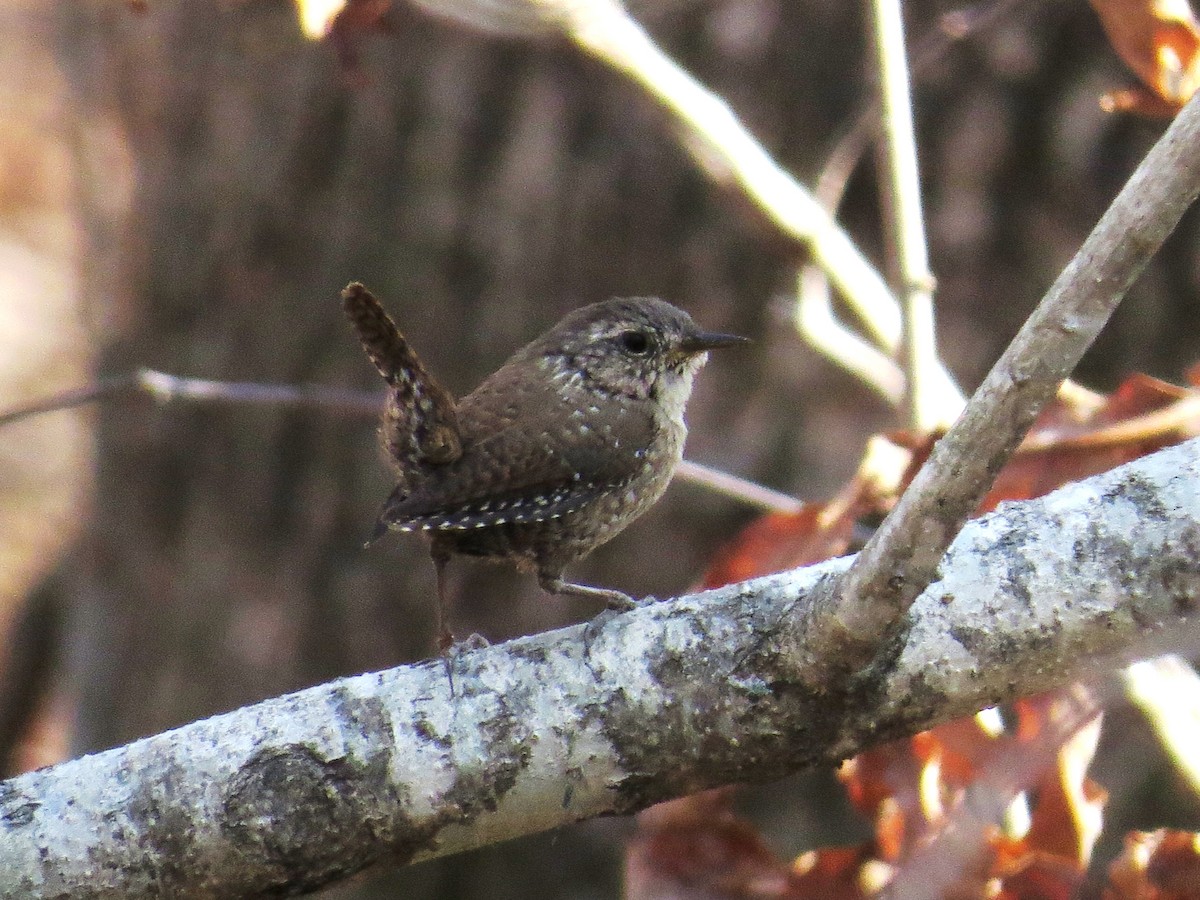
531,458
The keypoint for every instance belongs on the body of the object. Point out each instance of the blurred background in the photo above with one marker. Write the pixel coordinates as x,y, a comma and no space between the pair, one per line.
187,186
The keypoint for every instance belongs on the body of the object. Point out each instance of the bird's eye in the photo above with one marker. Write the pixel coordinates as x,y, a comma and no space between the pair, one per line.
636,342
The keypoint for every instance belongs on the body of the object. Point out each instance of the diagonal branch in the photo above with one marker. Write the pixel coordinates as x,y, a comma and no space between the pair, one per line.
386,768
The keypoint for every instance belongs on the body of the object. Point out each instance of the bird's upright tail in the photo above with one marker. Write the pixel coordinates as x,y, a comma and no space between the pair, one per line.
420,422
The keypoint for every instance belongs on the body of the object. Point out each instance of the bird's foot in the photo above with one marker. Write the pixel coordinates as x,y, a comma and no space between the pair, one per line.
475,642
611,610
450,648
616,601
635,603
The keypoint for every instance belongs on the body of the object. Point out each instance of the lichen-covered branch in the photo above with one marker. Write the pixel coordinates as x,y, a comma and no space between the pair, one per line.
610,717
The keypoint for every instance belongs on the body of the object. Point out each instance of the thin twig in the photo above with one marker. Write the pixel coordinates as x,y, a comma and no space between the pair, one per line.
738,488
1181,418
815,320
953,28
814,315
164,388
104,389
904,219
901,559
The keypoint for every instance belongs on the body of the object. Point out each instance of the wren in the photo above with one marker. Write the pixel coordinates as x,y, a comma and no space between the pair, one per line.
573,438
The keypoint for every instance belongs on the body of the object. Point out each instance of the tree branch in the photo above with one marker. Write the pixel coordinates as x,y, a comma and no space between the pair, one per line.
305,789
905,224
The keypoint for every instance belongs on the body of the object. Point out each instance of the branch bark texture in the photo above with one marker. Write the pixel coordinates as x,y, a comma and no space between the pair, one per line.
387,768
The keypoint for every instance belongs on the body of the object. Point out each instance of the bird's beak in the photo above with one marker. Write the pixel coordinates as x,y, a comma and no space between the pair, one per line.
700,341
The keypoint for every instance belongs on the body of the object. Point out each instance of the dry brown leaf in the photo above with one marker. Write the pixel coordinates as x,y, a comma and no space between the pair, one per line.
780,541
698,847
1144,414
837,873
1159,40
1067,818
1156,865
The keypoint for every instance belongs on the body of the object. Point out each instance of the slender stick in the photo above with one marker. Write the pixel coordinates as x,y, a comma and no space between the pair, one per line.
815,320
903,217
814,315
748,492
103,389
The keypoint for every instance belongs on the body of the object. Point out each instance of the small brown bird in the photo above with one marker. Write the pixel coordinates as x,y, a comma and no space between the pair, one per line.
573,438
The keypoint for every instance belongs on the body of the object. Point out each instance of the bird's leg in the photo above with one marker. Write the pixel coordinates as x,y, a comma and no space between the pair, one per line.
445,637
614,600
447,645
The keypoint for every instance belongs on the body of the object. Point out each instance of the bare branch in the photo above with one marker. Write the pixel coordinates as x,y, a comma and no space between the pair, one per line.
164,388
904,220
101,390
748,492
814,316
815,320
303,790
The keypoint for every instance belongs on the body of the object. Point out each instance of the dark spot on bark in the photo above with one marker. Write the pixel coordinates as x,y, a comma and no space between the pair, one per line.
16,809
1142,493
1180,572
1141,619
425,730
1017,550
1083,551
301,821
531,652
688,744
365,716
506,753
888,655
988,645
970,638
164,830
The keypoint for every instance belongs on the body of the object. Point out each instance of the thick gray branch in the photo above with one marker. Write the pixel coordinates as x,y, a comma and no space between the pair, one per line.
386,768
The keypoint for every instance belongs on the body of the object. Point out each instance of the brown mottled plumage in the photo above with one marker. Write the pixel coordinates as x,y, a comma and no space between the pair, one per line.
573,438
